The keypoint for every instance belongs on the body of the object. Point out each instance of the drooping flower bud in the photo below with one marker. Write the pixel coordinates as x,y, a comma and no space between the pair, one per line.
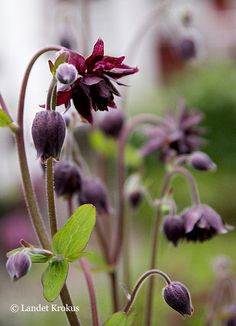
173,228
186,48
135,198
201,161
18,265
48,132
112,123
178,297
66,73
67,179
94,192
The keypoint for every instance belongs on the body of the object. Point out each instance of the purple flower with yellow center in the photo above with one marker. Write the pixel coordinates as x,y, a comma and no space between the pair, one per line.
178,134
94,88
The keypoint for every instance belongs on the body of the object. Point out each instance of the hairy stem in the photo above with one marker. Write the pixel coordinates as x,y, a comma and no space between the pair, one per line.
141,119
50,196
139,283
156,226
87,274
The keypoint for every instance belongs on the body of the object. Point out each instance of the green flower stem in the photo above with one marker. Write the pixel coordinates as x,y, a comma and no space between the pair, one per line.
50,104
139,283
141,119
30,197
87,274
50,196
156,226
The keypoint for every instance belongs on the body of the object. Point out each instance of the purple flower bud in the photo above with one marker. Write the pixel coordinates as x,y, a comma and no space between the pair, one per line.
173,228
94,192
135,198
201,161
112,123
187,48
66,73
48,132
18,265
178,297
67,178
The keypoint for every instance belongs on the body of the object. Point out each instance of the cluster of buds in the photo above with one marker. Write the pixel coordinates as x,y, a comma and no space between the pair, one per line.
197,223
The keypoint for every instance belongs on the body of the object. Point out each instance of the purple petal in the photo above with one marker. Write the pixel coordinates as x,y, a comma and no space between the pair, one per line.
63,97
78,61
191,216
83,103
91,79
150,146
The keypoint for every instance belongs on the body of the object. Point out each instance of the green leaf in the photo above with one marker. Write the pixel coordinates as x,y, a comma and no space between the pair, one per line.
62,58
72,238
102,144
38,258
120,319
54,278
5,120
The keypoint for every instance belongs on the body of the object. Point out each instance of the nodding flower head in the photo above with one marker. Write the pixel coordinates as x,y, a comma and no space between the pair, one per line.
112,123
67,179
201,161
48,132
178,297
18,265
93,191
202,223
173,228
94,88
178,134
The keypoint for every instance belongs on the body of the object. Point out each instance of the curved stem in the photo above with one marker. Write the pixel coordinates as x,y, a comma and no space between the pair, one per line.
30,197
139,283
154,244
52,86
85,267
142,118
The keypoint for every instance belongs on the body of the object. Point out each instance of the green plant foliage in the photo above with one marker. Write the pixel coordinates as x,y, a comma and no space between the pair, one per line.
120,319
54,278
72,238
5,120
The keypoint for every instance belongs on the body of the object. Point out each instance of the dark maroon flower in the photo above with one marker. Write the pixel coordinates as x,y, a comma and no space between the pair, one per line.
202,223
112,123
93,89
201,161
173,228
48,132
18,265
178,134
94,192
178,297
67,179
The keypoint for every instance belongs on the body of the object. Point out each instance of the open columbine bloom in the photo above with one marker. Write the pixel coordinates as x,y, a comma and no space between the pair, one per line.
93,89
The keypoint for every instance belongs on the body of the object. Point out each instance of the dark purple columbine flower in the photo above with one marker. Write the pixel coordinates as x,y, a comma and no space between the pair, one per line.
67,179
93,89
202,223
178,134
18,265
112,123
201,161
173,228
48,132
135,197
94,192
178,297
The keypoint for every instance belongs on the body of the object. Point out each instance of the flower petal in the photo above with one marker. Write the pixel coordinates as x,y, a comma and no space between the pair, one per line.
78,61
121,71
82,102
63,97
97,54
91,79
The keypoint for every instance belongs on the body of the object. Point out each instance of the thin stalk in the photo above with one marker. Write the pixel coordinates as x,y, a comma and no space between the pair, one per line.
139,283
126,258
114,290
134,122
30,197
87,274
156,226
50,196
